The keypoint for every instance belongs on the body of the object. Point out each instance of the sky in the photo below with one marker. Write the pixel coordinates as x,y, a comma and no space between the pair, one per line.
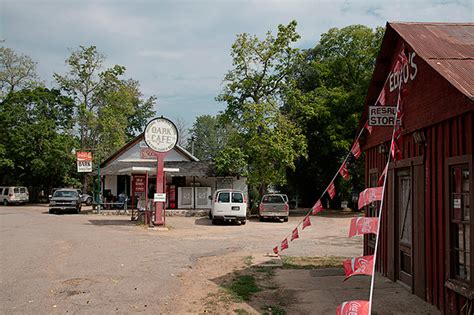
179,50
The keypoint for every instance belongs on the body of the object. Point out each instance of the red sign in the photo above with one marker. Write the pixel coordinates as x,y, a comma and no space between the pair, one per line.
147,153
139,183
363,265
363,225
370,195
353,308
84,156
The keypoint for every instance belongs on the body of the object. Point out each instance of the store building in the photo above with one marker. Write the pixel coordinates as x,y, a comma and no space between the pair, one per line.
425,241
189,182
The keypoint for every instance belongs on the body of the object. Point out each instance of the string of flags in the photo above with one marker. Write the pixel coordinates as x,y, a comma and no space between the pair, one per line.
363,265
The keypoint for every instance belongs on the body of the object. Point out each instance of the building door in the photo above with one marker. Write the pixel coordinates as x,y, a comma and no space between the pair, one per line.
403,226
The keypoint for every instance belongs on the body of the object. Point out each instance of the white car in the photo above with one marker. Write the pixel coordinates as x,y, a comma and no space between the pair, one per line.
228,205
13,195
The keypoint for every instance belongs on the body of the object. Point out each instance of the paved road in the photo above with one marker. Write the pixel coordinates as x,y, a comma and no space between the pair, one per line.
91,263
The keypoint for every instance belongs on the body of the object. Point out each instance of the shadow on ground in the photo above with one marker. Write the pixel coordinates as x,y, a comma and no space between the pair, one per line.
308,289
114,222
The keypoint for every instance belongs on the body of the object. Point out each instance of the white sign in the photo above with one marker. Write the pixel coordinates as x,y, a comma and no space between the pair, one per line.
408,71
159,197
382,115
161,135
84,166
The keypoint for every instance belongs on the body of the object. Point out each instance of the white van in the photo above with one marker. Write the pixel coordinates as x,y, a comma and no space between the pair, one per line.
228,205
13,195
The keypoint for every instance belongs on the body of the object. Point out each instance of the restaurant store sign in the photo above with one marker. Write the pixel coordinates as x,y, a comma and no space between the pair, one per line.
84,162
161,135
382,115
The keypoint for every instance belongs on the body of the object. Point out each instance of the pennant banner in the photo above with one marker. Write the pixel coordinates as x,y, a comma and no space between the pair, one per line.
332,190
370,195
344,171
361,225
318,207
358,266
356,149
369,128
358,307
306,222
294,234
275,250
284,244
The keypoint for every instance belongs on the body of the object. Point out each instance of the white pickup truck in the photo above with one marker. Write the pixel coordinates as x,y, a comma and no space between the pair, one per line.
274,206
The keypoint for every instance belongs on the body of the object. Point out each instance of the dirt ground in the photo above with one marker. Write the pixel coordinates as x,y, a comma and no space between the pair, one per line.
106,264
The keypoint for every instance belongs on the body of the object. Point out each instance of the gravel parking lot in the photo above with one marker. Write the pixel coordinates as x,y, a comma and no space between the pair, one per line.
90,263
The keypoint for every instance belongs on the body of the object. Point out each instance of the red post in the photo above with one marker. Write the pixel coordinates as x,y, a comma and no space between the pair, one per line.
160,182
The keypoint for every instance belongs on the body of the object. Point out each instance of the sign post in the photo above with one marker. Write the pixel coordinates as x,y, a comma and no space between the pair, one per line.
161,135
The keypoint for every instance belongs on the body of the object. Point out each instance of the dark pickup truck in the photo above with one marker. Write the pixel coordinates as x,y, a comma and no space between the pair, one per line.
274,206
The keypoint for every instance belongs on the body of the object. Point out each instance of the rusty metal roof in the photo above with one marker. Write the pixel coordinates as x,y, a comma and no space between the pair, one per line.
447,47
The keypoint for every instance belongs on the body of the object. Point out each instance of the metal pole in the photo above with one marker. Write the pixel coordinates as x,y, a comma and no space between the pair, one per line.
99,184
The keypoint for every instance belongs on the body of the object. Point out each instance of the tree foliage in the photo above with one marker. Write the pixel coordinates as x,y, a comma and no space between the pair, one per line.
330,85
17,71
109,110
253,94
36,139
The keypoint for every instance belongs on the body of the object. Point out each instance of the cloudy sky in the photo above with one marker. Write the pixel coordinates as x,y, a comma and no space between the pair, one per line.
180,50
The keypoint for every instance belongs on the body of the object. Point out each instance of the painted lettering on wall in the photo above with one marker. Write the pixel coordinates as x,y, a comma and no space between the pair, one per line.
408,71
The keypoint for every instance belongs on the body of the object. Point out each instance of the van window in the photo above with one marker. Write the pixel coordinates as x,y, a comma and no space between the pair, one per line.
237,197
224,197
16,190
5,192
22,190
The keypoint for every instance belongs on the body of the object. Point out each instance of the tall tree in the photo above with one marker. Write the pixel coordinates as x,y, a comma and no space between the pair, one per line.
109,110
17,71
36,140
253,93
330,85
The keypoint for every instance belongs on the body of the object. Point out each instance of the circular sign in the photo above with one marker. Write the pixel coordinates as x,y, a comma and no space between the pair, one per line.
161,135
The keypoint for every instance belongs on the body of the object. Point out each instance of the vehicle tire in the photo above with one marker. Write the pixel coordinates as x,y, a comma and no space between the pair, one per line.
50,211
261,219
88,201
243,222
214,221
285,219
5,202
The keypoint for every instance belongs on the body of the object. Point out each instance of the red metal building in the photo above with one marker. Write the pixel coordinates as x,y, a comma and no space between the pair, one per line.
425,234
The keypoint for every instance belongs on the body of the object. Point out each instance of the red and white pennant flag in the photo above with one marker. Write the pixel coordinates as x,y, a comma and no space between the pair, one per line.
284,244
363,225
344,171
317,208
370,195
275,250
356,149
331,190
358,307
382,176
306,222
362,265
294,234
369,128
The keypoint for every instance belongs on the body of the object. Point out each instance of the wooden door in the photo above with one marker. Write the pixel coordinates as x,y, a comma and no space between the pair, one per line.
403,224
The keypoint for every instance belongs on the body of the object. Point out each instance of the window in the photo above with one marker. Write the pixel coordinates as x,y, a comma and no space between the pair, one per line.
224,197
237,197
458,198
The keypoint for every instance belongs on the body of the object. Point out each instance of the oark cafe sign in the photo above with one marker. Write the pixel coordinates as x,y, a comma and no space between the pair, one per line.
161,135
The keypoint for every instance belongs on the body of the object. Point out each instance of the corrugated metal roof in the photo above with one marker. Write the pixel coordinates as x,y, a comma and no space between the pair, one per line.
447,47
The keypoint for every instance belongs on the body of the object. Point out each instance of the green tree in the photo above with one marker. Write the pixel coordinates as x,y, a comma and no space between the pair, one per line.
17,71
253,92
209,135
326,100
36,139
109,110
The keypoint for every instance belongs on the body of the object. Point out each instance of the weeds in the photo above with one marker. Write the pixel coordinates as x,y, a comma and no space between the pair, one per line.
244,287
292,262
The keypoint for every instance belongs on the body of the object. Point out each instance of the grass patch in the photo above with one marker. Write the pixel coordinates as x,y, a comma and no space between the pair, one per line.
243,287
240,311
294,262
273,310
248,260
268,271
